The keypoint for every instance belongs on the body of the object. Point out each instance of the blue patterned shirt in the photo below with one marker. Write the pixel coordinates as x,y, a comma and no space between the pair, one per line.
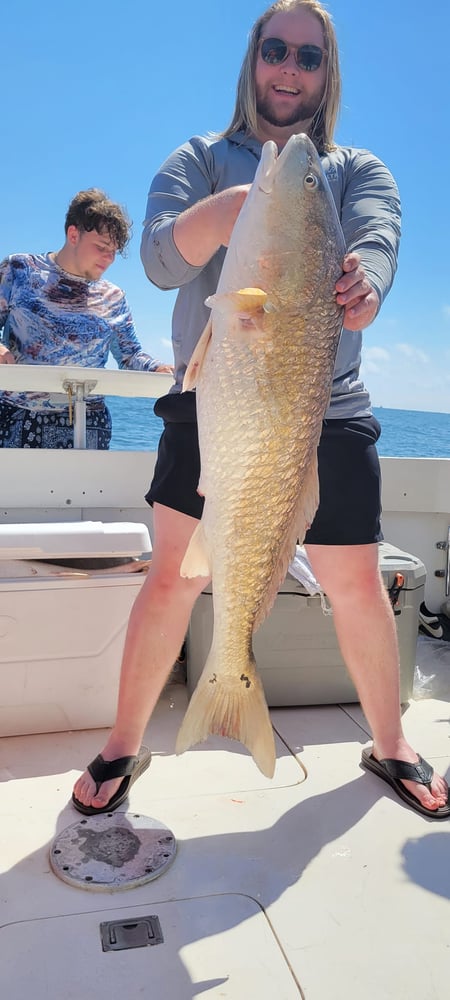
51,317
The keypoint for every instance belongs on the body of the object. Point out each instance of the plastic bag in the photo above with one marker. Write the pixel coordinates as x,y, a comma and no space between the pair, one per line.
300,569
432,671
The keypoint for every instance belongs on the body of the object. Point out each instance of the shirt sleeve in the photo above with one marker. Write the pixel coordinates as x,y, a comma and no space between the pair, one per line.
124,344
371,219
184,179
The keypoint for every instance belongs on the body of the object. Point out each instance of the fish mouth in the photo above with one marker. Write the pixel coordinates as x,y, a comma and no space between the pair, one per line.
305,151
272,161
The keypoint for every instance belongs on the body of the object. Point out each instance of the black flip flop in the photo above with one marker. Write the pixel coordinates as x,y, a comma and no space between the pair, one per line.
104,770
393,770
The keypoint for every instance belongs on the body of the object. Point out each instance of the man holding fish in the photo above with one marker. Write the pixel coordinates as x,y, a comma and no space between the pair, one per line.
287,437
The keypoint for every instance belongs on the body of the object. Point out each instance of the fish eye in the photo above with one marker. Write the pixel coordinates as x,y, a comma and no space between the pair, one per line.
311,181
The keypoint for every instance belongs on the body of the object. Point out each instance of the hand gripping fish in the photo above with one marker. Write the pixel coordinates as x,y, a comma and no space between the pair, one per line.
263,369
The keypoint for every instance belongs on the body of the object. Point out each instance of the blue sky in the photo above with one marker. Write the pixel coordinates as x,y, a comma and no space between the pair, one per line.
99,93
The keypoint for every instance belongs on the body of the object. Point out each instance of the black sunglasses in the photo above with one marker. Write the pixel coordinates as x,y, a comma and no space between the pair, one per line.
274,51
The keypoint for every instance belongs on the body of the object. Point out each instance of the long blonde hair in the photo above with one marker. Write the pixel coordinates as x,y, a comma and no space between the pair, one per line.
324,121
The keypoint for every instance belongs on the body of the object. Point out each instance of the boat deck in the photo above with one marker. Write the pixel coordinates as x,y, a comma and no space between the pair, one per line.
316,884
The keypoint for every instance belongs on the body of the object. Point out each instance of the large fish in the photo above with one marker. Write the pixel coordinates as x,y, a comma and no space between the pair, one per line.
263,370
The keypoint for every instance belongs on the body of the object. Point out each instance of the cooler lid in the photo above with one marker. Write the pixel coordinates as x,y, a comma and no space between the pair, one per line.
394,560
391,560
73,539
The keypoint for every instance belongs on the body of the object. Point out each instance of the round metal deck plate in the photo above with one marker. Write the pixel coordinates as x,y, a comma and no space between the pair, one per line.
112,851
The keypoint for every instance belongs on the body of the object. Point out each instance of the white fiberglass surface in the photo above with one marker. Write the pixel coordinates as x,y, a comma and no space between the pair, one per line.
332,864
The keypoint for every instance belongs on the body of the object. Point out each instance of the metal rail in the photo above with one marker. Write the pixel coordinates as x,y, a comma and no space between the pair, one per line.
77,384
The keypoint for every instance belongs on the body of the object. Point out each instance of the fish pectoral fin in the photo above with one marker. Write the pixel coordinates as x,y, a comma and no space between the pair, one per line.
267,166
249,299
197,359
231,706
243,300
249,307
245,310
196,560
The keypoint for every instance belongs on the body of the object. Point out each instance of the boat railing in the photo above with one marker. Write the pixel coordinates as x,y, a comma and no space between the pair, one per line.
78,384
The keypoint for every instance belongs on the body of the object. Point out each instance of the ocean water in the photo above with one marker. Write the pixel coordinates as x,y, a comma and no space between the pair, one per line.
404,433
413,433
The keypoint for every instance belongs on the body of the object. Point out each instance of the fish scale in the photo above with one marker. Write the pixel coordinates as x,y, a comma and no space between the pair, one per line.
263,372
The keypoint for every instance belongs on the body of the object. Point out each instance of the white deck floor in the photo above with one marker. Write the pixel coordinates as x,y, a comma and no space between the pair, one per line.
317,884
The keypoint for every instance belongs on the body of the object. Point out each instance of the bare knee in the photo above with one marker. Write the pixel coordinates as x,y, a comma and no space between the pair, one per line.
164,585
348,574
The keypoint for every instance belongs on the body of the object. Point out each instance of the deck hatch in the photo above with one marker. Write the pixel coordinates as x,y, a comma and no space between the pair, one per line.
118,935
112,851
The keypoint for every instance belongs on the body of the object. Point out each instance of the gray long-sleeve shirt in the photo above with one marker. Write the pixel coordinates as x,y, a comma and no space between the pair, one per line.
368,205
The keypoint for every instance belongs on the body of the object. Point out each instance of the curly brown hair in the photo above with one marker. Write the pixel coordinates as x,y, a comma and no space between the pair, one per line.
92,209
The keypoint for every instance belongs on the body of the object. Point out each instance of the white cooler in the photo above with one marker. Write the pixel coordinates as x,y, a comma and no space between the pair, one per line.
296,648
62,629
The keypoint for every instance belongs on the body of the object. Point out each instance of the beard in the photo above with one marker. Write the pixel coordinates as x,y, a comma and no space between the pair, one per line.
304,111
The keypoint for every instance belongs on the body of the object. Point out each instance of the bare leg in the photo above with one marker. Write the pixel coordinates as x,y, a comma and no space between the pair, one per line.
365,627
156,629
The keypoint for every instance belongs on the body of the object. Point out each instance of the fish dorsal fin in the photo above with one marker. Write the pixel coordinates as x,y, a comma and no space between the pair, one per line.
198,356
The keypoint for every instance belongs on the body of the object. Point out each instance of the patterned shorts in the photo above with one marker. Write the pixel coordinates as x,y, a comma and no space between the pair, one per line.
20,428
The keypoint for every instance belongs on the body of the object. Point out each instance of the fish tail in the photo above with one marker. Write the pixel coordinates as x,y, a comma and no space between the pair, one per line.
231,706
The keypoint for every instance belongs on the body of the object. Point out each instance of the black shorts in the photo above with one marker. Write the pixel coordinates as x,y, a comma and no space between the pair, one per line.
349,509
349,473
177,469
